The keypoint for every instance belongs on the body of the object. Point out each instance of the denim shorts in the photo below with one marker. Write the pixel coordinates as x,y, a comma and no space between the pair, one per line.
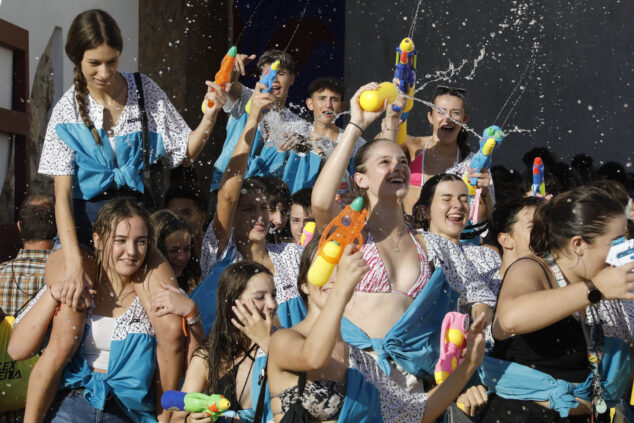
85,214
71,407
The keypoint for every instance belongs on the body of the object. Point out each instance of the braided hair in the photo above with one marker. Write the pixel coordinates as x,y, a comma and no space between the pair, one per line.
89,30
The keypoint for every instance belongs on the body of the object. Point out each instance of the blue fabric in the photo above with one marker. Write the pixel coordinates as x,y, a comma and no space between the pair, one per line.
130,373
516,381
98,168
414,340
362,403
204,295
297,171
291,312
234,130
301,171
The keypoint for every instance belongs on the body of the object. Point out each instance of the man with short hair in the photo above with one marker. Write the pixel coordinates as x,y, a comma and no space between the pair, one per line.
22,277
280,142
186,199
301,212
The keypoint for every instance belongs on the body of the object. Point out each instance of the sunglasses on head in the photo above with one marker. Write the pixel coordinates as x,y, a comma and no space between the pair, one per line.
444,89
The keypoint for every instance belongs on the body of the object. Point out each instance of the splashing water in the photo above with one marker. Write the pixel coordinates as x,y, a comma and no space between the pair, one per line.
413,25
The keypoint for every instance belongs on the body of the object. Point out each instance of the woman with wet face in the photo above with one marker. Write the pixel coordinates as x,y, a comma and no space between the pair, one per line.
240,227
312,371
551,360
175,241
446,150
228,360
397,307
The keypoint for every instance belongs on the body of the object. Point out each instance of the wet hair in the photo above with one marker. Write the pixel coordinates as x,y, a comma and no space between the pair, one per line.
225,342
108,217
188,190
89,30
583,212
308,255
277,191
165,223
362,156
326,82
427,196
504,216
37,218
463,135
268,57
302,198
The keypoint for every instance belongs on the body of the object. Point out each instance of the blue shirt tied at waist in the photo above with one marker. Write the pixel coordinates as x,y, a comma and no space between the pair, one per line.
516,381
414,340
98,168
129,378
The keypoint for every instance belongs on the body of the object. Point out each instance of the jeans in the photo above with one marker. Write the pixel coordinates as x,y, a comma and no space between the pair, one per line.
73,407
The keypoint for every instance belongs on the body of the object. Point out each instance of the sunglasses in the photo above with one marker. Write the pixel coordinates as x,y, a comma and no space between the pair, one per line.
444,89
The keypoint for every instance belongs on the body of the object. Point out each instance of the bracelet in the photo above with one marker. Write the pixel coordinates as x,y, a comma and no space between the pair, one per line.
354,124
185,319
191,313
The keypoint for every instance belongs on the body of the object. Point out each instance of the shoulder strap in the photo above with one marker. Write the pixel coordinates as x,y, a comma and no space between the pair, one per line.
144,124
301,384
259,408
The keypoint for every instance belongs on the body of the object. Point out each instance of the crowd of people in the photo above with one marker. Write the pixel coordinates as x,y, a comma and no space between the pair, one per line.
114,300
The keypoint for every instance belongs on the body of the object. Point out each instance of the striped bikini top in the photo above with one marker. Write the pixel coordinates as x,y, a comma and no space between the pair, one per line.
377,280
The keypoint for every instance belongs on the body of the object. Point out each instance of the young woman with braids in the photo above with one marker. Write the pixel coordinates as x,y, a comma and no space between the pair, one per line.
226,363
93,149
543,366
446,150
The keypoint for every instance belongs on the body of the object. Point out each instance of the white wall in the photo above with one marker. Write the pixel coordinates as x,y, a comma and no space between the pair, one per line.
42,17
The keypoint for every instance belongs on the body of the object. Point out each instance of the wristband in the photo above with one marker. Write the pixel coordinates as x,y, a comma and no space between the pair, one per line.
185,319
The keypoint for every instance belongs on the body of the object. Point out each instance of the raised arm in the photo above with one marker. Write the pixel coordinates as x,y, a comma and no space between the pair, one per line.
323,203
231,183
199,136
526,304
290,351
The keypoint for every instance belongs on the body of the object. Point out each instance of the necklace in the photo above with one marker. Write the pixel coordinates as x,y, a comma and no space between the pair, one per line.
422,165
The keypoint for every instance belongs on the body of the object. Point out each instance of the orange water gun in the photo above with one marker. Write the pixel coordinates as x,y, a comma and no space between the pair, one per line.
347,229
223,76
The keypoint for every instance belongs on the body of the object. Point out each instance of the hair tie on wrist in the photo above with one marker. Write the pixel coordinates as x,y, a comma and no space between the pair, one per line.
354,124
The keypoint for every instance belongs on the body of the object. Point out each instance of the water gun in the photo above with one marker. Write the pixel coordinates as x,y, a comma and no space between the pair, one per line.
214,405
267,78
307,233
347,229
491,139
406,74
621,252
453,339
538,177
223,76
372,100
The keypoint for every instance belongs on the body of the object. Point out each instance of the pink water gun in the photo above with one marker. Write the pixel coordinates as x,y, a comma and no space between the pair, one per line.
453,341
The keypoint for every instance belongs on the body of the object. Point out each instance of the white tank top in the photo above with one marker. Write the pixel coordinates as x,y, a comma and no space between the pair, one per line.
97,345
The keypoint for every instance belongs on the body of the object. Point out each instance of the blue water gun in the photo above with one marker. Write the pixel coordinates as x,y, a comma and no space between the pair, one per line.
538,177
214,405
406,73
267,79
491,139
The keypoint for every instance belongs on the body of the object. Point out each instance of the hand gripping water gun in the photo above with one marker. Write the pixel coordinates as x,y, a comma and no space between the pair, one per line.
372,100
348,226
223,76
267,78
214,405
453,339
307,233
491,138
406,74
538,177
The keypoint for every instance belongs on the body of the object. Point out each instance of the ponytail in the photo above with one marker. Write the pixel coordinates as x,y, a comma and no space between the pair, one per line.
80,96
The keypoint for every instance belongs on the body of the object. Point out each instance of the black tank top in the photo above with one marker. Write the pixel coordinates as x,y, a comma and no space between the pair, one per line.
558,350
